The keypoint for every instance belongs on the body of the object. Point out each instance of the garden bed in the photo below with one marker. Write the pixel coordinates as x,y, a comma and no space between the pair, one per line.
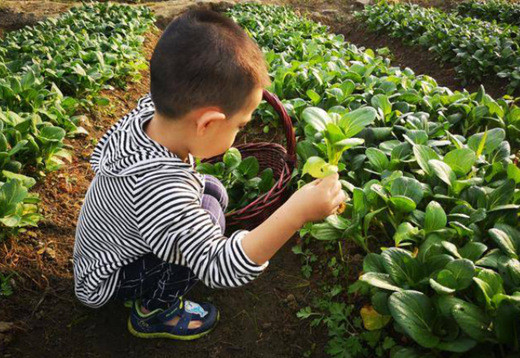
258,320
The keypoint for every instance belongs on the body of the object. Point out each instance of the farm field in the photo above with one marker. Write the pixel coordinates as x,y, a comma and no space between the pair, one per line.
423,128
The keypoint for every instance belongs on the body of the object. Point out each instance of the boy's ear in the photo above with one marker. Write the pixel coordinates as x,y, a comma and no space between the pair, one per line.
207,117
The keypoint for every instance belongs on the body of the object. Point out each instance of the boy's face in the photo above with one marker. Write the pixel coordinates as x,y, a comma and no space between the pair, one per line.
219,135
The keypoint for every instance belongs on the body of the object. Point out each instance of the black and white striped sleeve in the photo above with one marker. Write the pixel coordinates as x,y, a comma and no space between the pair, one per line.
179,230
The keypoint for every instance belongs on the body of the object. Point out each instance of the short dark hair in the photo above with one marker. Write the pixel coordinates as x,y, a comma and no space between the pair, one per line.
205,59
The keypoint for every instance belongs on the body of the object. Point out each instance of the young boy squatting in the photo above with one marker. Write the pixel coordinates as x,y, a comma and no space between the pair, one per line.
150,226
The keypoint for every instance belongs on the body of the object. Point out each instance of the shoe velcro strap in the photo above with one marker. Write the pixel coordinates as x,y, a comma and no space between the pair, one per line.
169,313
182,325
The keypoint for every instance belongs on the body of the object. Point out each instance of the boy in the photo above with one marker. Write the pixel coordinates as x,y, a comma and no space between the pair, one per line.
151,226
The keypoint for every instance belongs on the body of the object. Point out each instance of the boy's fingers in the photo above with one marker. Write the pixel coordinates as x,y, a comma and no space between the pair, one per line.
315,182
340,198
337,187
330,180
332,177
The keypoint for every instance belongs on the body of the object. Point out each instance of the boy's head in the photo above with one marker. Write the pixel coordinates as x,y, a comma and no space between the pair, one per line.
207,69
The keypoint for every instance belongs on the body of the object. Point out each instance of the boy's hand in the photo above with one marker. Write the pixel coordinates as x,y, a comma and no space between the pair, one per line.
312,202
316,200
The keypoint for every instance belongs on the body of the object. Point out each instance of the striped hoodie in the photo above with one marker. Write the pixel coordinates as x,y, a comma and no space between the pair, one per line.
143,199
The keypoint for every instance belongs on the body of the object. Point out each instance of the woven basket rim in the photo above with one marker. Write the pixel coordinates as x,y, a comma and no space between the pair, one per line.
274,196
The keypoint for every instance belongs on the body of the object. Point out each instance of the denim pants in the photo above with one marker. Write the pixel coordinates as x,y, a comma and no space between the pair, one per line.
158,283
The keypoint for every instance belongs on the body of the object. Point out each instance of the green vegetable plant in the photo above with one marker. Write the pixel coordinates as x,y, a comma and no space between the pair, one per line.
337,132
18,207
501,11
433,186
241,177
477,48
6,289
49,72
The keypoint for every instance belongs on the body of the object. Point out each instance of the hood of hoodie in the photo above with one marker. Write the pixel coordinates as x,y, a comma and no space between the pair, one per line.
127,150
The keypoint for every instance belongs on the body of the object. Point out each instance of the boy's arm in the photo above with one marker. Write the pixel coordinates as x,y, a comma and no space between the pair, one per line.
178,230
312,202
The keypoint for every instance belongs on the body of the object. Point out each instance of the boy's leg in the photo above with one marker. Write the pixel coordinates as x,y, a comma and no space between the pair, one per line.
214,209
160,285
215,200
157,283
213,187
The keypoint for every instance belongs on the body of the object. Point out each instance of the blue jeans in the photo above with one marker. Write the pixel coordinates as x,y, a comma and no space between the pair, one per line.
158,283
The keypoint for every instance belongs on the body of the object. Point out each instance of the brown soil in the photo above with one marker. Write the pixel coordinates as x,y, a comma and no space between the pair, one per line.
11,20
17,14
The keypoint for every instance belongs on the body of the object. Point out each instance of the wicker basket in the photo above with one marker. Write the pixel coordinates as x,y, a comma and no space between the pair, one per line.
269,155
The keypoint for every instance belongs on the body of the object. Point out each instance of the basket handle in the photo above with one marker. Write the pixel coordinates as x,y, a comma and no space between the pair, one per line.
275,102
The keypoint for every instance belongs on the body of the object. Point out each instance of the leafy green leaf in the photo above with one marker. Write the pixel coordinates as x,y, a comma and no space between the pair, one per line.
381,102
490,284
435,217
405,232
501,195
232,158
353,122
325,232
266,181
316,117
249,167
472,320
380,280
377,159
12,194
461,160
401,266
494,137
504,242
408,187
314,96
414,312
423,154
513,172
442,171
318,168
26,181
402,203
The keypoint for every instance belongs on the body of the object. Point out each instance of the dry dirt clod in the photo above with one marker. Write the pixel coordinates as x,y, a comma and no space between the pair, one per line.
221,6
6,326
329,12
357,258
291,301
266,325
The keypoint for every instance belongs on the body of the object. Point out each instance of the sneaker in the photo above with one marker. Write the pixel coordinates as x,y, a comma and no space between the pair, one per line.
152,324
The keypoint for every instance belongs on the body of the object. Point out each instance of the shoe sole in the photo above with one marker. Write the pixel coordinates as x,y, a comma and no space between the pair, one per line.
169,335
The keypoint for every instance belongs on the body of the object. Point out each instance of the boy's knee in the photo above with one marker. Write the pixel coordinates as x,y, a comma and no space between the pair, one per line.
213,207
213,187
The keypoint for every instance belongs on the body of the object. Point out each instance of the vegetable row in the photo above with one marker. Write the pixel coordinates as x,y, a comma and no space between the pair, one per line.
477,48
492,10
429,170
48,73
